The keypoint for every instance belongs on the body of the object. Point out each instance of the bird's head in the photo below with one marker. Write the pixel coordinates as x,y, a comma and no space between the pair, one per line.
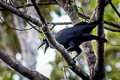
44,41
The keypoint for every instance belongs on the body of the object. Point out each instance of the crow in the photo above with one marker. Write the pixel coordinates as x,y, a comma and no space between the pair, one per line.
72,37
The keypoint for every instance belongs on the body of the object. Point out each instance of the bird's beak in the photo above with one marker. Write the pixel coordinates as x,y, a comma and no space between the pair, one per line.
46,47
41,44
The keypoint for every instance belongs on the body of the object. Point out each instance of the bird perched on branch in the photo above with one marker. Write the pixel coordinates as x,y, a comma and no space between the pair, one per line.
72,37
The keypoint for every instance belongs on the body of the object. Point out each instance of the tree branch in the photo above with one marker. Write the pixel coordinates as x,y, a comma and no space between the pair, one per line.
112,23
112,5
69,10
91,57
39,12
105,21
99,73
19,13
33,75
4,21
67,23
41,4
112,29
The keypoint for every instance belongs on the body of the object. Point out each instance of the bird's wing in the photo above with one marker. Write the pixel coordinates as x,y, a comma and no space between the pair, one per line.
65,35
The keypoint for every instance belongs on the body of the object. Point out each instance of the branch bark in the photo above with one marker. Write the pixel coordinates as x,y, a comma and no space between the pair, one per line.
69,10
99,73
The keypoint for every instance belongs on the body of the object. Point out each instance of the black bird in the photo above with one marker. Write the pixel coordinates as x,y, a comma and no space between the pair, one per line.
72,37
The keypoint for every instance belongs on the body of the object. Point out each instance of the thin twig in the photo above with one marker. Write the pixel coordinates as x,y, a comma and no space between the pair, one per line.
112,5
105,21
41,4
13,2
67,23
112,24
112,29
35,27
13,27
38,12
